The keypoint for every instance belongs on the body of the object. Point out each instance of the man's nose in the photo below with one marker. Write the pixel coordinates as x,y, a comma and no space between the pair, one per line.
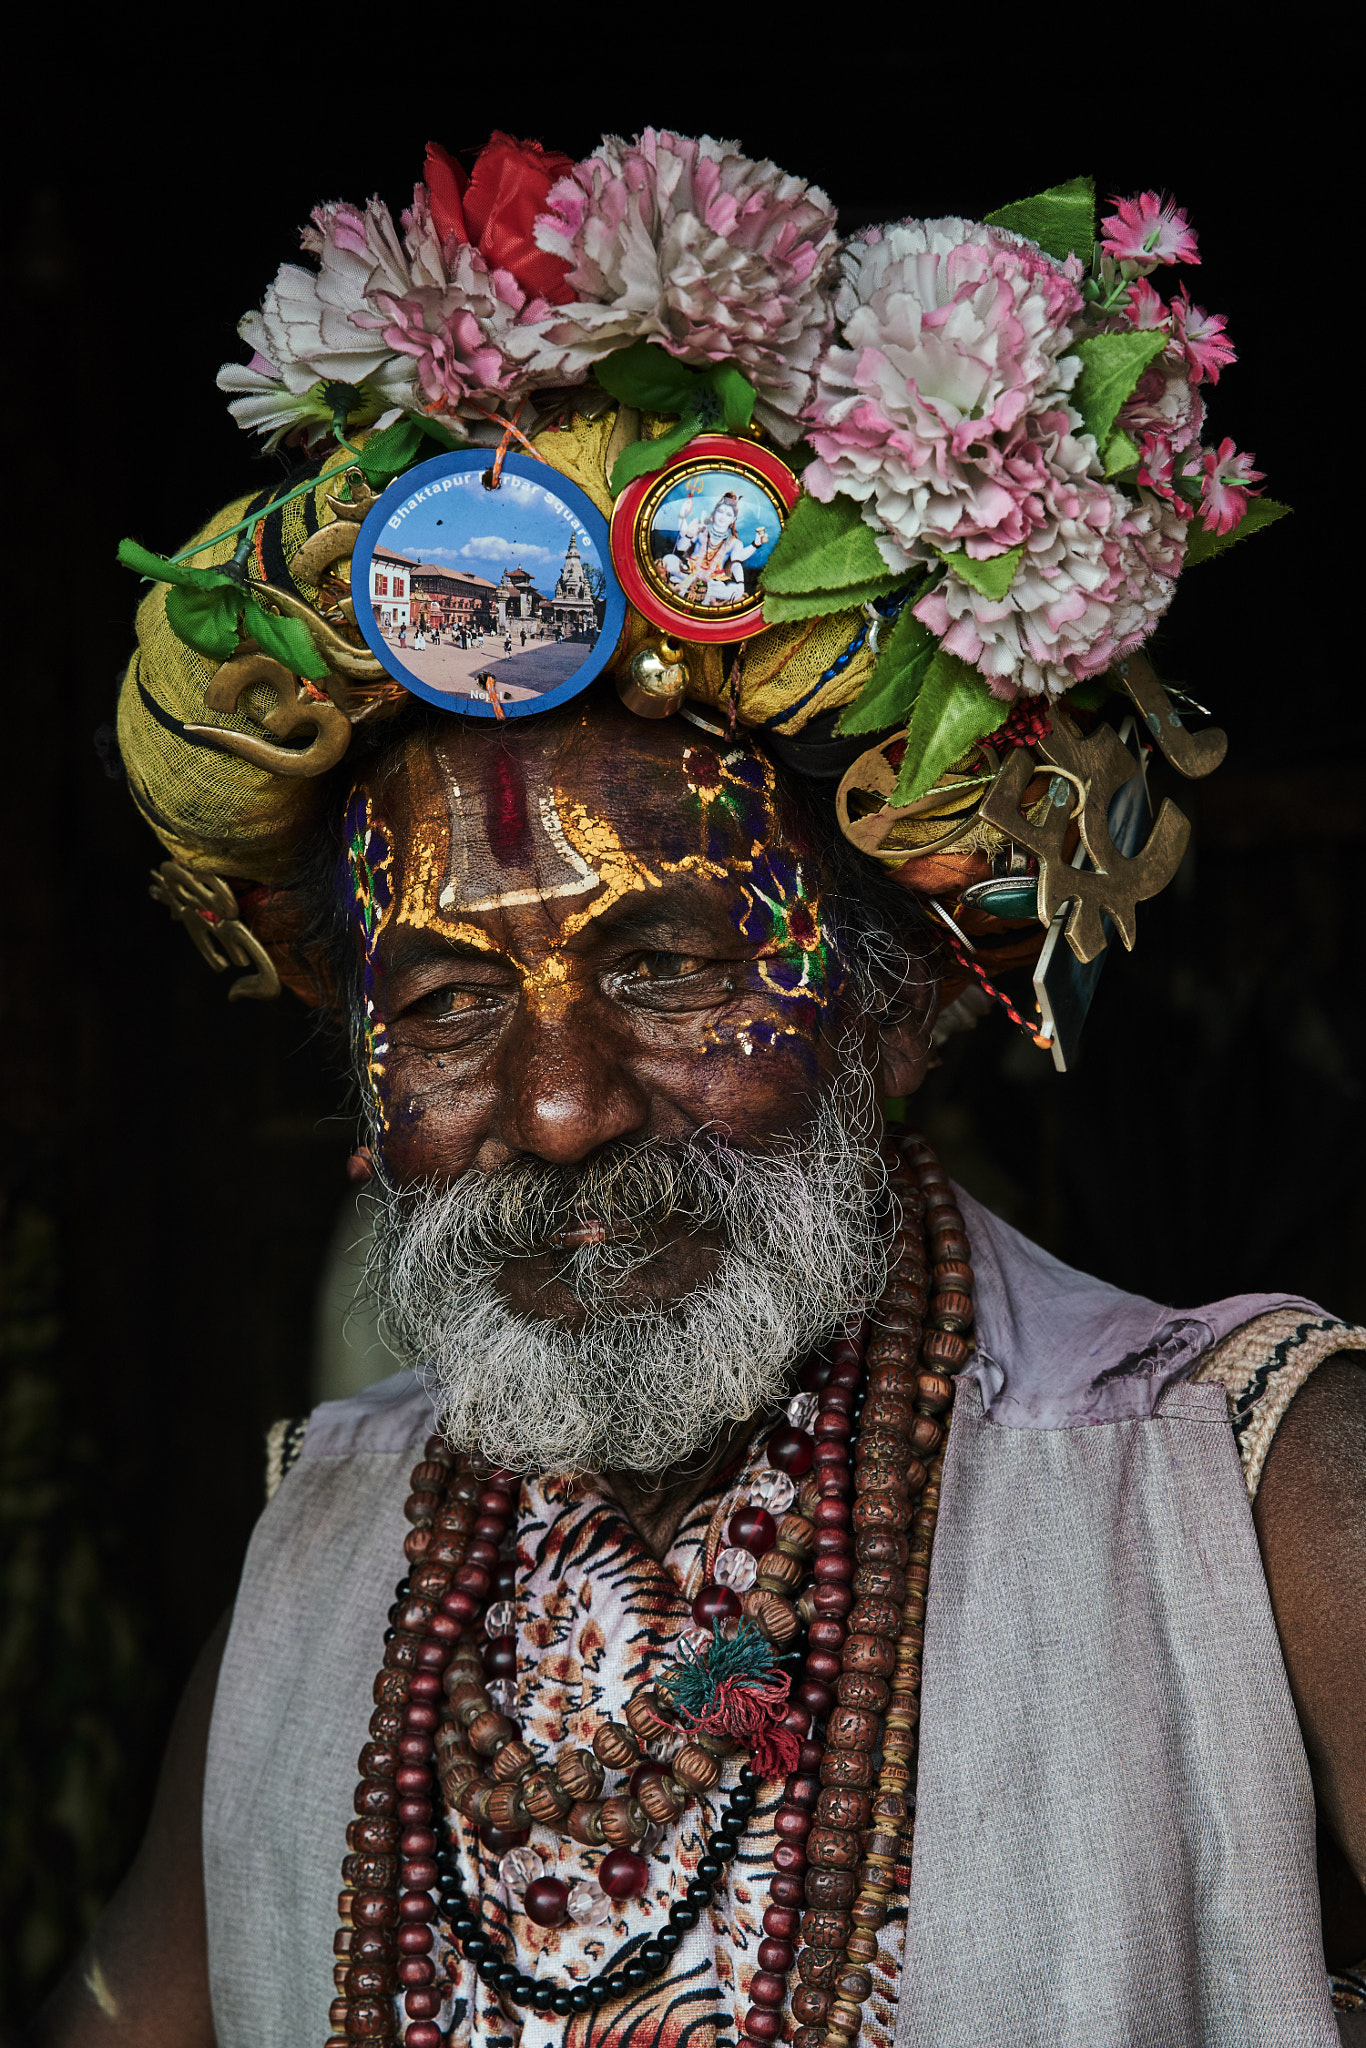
568,1087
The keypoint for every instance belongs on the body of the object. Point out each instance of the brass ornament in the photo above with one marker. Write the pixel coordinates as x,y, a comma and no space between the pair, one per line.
1192,754
295,710
954,806
207,908
1094,767
654,684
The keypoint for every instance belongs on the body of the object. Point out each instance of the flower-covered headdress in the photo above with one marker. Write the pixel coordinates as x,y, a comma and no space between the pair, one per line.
999,430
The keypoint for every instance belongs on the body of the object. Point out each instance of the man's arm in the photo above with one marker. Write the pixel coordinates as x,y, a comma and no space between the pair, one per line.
1310,1517
142,1980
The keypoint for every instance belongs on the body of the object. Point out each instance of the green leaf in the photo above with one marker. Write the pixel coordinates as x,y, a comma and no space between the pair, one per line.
1111,365
1091,695
780,610
286,640
891,689
647,376
1061,220
640,458
387,454
1203,546
206,619
823,547
159,570
1120,455
736,394
952,709
992,577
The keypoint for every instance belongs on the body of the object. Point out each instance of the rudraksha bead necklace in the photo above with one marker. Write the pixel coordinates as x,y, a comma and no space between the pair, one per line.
842,1826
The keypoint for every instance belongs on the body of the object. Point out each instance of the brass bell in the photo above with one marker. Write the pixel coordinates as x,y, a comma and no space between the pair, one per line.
654,684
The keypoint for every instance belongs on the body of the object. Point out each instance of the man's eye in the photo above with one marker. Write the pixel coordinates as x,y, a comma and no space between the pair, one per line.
666,966
445,1002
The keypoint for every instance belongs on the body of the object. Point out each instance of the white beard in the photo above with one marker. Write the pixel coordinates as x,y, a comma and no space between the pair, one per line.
802,1228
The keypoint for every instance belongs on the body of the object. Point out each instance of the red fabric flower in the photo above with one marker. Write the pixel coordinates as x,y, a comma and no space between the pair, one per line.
496,205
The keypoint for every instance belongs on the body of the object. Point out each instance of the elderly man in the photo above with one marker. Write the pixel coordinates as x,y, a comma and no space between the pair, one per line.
816,1613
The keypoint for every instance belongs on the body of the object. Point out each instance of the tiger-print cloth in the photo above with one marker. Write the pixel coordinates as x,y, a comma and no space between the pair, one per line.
597,1617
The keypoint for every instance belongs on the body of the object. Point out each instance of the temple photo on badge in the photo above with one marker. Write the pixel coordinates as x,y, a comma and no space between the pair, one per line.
689,541
493,600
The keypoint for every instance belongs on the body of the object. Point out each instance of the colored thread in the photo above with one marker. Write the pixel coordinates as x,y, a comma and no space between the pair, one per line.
1042,1039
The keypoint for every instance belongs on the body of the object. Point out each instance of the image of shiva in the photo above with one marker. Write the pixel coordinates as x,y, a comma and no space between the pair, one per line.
706,563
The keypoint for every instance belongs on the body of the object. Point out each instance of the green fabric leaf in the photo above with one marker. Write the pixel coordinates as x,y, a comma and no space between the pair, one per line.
647,376
898,673
286,640
993,577
1120,455
823,547
1061,220
780,610
1111,365
952,709
387,454
736,394
206,619
159,570
640,458
1203,546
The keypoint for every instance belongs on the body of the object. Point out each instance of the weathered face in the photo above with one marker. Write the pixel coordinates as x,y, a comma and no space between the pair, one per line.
597,932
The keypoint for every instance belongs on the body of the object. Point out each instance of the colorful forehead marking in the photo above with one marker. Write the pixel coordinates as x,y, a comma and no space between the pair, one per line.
370,866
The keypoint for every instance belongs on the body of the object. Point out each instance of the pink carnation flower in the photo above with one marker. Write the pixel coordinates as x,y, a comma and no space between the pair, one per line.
1226,487
718,258
1204,342
1145,308
1147,231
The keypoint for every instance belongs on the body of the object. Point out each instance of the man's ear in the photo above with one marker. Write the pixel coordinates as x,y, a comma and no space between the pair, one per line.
904,1050
275,917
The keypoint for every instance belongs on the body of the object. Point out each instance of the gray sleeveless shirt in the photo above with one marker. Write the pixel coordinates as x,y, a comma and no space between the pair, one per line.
1114,1844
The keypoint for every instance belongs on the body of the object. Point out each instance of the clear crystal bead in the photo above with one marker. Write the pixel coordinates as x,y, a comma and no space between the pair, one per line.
500,1619
736,1568
589,1905
519,1868
503,1693
651,1839
801,1410
698,1640
774,1491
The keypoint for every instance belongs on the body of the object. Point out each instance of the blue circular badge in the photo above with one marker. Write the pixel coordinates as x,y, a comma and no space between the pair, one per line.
492,602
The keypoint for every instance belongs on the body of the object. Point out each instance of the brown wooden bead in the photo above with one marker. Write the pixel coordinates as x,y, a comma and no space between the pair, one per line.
694,1768
580,1773
936,1392
472,1800
852,1728
861,1689
880,1581
848,1767
875,1445
818,1964
885,1410
513,1762
623,1821
386,1724
400,1652
833,1848
662,1799
773,1616
870,1908
944,1350
831,1890
584,1822
893,1349
373,1836
468,1700
952,1276
886,1475
844,1806
952,1311
880,1546
844,2021
375,1796
544,1798
870,1653
489,1732
372,1909
779,1571
455,1772
854,1984
890,1809
809,2003
429,1476
897,1775
875,1618
421,1507
430,1581
616,1746
824,1929
505,1808
804,2037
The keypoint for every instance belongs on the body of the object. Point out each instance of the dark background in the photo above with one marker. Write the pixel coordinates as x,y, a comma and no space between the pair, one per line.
172,1166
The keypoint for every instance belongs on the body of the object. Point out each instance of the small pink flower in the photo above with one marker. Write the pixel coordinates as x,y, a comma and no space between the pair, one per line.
1202,339
1226,487
1145,308
1147,231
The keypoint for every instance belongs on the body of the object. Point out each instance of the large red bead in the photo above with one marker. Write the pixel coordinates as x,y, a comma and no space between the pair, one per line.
504,1838
642,1773
831,1513
622,1874
791,1450
420,2004
416,1906
461,1607
836,1564
547,1901
715,1603
414,1938
423,2034
791,1824
766,1987
500,1658
763,2024
417,1971
811,1693
752,1529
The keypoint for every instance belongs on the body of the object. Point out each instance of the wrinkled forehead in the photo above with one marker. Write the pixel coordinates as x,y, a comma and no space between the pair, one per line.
483,818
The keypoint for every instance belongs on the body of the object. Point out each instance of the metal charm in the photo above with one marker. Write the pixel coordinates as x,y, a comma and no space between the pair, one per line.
1192,754
654,684
207,908
1096,766
297,708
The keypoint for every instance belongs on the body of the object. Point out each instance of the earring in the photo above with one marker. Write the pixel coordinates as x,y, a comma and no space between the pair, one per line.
654,684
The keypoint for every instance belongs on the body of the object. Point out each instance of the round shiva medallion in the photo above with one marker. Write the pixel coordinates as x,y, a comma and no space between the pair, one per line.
689,541
494,601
